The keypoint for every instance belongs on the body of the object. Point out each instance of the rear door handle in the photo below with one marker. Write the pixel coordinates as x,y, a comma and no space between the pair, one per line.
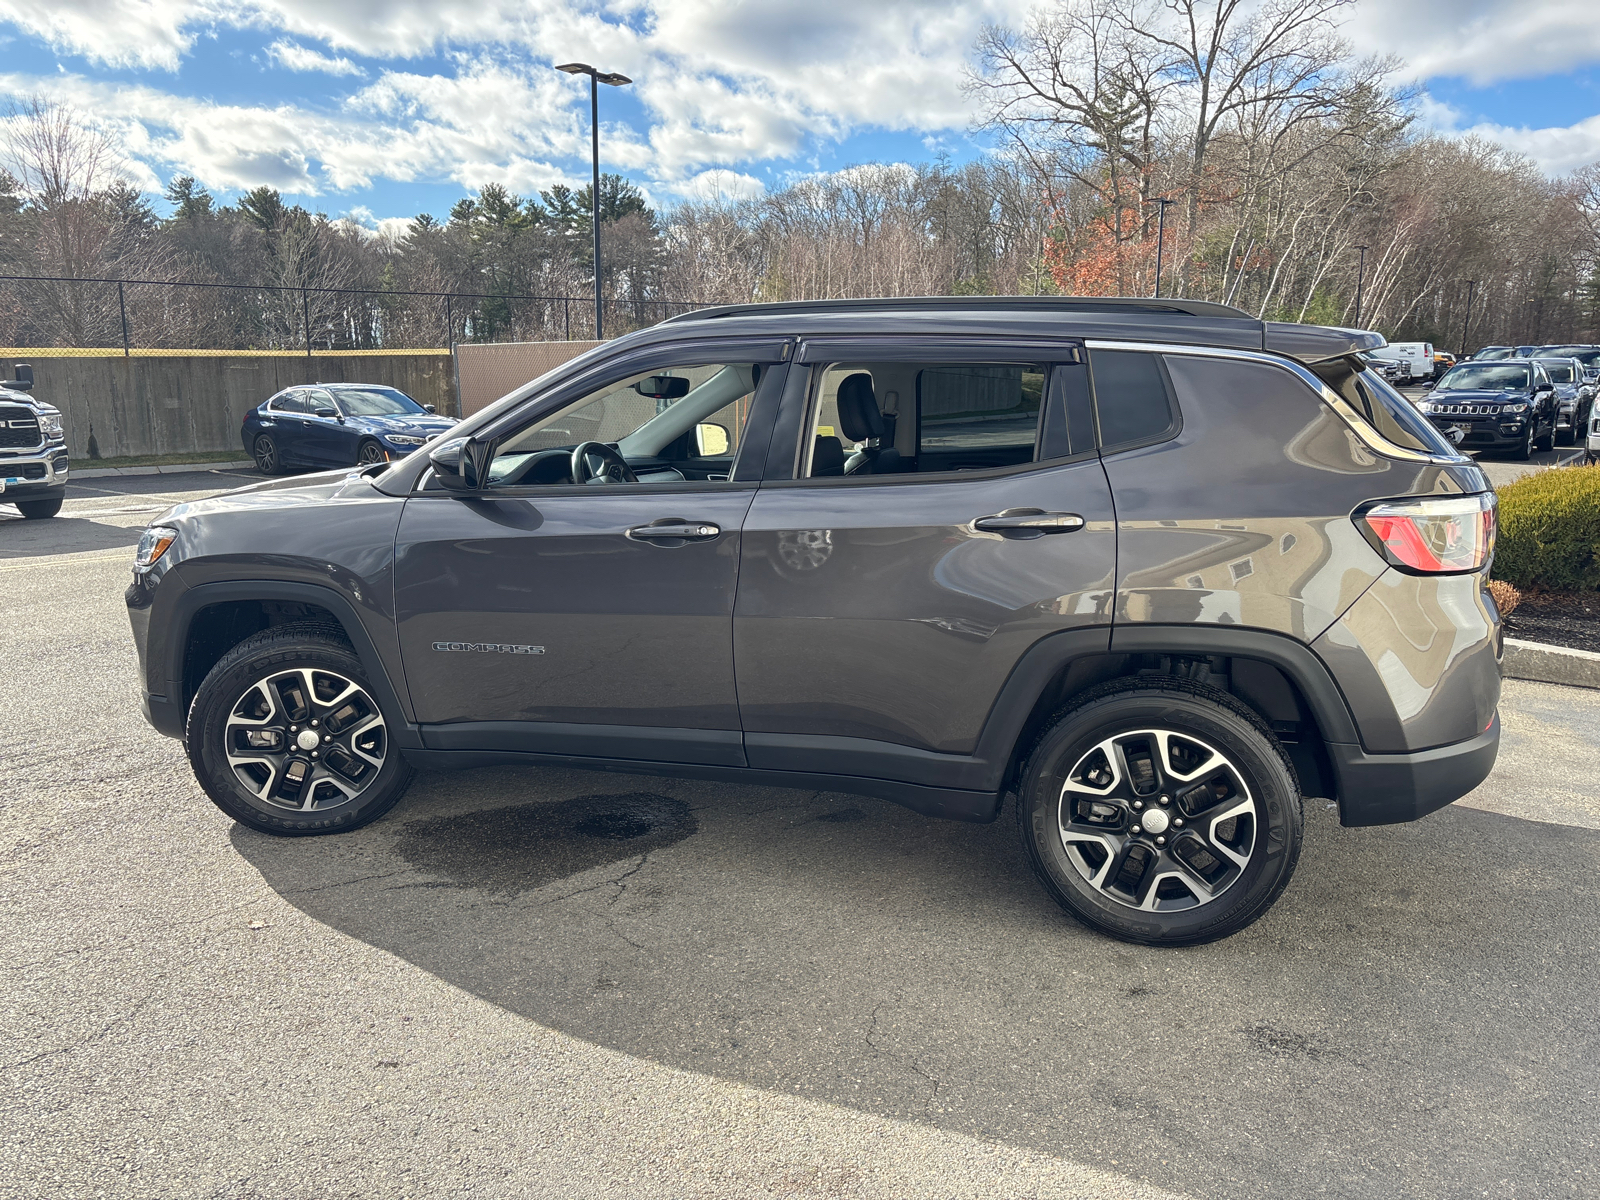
674,529
1029,522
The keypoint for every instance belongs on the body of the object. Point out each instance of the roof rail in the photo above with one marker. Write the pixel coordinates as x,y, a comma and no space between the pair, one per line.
1062,304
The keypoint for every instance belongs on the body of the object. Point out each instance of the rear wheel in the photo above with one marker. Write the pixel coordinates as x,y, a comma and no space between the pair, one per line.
369,452
265,451
35,510
286,736
1161,811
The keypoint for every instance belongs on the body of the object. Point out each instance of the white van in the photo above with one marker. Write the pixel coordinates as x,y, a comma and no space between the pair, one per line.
1415,359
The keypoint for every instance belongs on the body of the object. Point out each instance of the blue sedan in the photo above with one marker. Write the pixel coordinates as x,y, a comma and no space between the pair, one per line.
337,425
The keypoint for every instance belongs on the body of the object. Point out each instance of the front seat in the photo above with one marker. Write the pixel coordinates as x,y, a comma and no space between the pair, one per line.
861,421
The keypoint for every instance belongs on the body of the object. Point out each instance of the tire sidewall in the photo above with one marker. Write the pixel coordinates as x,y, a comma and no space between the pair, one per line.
277,454
204,740
1271,784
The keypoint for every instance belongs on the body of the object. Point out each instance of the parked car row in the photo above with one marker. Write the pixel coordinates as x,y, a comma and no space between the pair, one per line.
1514,404
337,425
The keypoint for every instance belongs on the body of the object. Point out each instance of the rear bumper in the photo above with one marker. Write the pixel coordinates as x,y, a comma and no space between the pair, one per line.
1387,789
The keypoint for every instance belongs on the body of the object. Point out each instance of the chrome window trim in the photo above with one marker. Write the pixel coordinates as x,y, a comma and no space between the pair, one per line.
1362,428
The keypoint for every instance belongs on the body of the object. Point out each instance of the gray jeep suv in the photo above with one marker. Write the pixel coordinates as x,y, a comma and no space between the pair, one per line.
1157,568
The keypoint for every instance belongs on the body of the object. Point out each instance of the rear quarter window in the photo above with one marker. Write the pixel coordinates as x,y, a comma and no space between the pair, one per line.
1133,398
1385,409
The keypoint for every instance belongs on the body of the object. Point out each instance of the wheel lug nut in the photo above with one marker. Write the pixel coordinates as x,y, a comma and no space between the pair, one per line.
1135,830
1138,804
1164,799
294,729
314,725
1160,841
1178,821
313,754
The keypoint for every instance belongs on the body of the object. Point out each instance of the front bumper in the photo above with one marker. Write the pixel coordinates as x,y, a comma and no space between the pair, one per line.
1387,789
1484,433
34,475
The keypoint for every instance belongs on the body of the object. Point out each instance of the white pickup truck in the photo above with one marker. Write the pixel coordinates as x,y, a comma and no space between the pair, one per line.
1414,358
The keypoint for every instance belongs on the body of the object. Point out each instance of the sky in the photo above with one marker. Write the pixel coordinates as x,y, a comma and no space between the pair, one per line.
378,110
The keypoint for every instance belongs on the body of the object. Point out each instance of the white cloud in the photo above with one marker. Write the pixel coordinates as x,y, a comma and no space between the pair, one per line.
120,33
719,184
1485,41
1556,150
294,57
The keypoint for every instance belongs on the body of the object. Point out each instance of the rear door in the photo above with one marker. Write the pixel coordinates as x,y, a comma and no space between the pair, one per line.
288,430
879,615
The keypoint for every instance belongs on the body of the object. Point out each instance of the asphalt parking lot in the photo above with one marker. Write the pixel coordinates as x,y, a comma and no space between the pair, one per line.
552,983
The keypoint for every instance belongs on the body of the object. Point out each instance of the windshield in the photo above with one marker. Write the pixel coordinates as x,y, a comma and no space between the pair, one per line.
1491,377
1493,353
377,402
1589,356
1559,372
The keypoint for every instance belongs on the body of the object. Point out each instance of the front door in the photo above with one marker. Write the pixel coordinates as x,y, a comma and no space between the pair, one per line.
945,519
588,617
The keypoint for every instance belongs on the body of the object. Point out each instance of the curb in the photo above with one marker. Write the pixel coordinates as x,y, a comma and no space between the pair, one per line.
1550,664
165,469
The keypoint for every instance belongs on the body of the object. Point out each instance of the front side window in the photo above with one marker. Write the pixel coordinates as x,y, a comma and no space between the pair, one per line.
663,425
895,418
1558,372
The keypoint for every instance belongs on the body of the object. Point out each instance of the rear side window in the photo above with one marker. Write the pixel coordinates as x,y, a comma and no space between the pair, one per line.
1385,409
289,402
965,408
1132,397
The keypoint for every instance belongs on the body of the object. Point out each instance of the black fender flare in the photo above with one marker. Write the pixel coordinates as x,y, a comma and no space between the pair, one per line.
189,603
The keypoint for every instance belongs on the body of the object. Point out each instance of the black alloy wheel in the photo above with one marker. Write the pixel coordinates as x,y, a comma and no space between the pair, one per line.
265,451
1161,811
286,736
36,510
370,453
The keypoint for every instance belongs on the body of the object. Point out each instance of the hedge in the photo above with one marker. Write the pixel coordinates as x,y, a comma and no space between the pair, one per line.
1550,530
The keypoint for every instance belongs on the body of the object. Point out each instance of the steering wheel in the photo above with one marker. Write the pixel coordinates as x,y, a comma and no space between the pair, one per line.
613,467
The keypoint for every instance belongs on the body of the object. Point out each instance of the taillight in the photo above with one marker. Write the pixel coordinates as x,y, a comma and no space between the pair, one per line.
1433,535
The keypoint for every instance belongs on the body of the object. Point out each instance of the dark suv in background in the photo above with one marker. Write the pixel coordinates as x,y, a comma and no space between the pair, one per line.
1155,567
1505,405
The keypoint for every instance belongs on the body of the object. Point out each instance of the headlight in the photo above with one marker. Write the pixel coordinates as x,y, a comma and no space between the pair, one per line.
403,439
153,543
1515,408
50,426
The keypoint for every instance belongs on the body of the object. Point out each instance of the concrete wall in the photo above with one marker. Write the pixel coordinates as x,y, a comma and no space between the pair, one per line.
490,371
177,403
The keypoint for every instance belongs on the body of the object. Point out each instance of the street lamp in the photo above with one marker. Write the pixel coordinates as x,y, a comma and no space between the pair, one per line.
596,78
1361,275
1161,237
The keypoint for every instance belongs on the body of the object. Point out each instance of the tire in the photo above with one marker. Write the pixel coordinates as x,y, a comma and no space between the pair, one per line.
1201,883
1567,437
35,510
264,449
259,689
369,453
1548,441
1525,451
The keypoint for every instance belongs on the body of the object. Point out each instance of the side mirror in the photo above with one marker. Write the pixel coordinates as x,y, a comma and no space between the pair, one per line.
324,412
1544,387
430,408
24,379
710,439
460,464
663,387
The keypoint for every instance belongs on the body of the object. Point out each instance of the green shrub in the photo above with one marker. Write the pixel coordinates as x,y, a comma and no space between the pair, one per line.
1550,530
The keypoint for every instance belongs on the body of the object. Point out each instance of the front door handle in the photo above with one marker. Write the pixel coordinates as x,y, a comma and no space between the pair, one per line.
674,529
1029,522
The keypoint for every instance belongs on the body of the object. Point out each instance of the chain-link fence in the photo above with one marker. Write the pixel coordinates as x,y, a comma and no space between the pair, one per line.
147,314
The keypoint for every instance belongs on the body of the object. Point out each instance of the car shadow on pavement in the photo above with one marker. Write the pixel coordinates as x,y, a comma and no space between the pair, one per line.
1416,1015
20,538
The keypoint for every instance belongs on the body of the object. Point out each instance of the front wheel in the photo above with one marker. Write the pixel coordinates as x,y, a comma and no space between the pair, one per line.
370,453
1161,811
35,510
1524,450
1548,441
286,736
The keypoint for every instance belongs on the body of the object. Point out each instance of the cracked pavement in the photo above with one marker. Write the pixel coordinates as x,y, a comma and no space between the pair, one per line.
554,983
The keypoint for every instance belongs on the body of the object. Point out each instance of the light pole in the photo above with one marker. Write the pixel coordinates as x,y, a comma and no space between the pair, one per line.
1361,277
1472,285
596,78
1161,237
